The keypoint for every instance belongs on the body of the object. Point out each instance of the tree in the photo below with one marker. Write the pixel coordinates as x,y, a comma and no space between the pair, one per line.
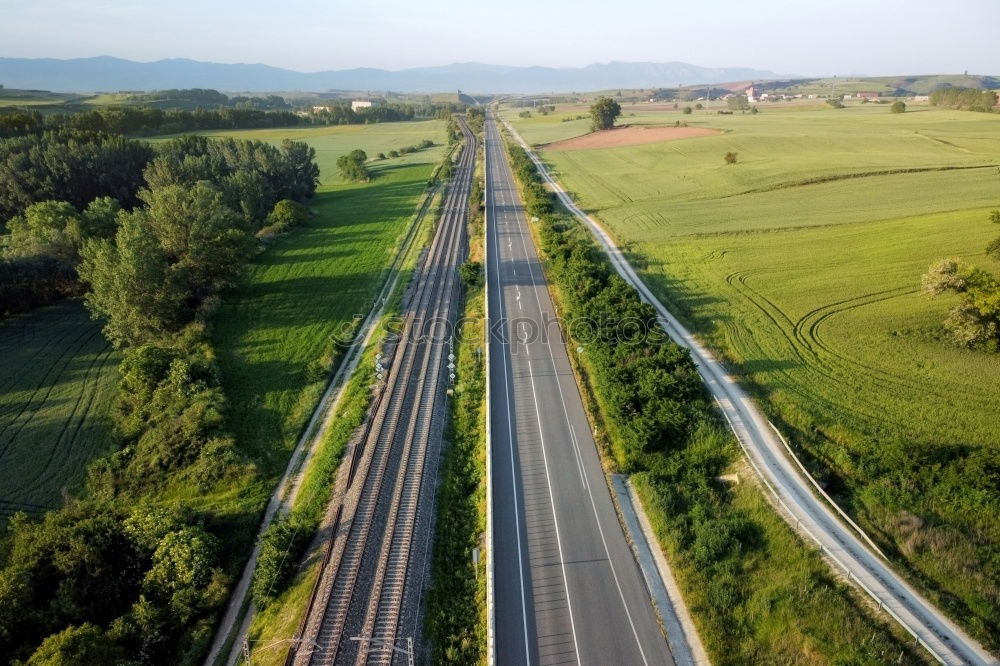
280,548
687,110
84,644
471,273
899,106
164,262
699,106
975,322
300,171
737,103
993,249
285,215
603,113
72,166
55,229
183,576
128,285
352,166
50,228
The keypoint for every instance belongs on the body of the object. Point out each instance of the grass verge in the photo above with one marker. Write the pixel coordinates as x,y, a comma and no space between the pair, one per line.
455,621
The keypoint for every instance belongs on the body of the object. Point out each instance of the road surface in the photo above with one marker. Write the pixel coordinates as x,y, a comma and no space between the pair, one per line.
567,588
942,637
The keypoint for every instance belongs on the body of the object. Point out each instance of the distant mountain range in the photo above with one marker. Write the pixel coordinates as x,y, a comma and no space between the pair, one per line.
106,73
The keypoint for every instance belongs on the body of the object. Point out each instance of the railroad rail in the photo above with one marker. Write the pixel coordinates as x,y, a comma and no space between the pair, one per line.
361,595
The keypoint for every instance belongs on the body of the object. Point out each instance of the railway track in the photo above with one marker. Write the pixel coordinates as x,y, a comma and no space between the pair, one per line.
362,596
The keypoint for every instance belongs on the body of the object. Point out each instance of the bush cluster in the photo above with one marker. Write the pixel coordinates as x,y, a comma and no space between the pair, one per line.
124,573
973,99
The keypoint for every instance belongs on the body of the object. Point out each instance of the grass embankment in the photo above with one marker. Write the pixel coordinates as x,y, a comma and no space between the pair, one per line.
456,605
56,391
812,294
756,591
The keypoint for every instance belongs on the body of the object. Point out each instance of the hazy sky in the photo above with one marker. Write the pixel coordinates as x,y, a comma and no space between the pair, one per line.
787,36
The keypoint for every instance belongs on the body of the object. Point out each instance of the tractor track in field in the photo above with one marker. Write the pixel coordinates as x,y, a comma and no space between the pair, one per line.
817,355
58,366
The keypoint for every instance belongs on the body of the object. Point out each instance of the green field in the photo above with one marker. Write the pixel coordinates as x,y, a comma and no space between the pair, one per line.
313,282
333,141
56,386
59,374
801,265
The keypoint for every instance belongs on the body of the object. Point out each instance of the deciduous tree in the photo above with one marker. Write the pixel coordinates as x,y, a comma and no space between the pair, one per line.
352,166
603,113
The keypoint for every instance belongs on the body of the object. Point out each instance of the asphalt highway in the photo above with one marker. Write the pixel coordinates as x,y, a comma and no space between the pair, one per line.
842,544
567,588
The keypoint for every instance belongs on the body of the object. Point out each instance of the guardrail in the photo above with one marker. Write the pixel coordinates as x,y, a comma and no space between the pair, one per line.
822,492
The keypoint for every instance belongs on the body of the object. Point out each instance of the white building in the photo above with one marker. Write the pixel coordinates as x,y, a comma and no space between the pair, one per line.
361,104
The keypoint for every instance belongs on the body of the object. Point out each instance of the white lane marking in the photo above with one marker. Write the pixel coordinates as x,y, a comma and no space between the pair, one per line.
507,176
555,517
576,450
510,441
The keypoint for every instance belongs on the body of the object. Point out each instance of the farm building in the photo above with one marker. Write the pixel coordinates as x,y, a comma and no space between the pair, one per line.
868,95
361,104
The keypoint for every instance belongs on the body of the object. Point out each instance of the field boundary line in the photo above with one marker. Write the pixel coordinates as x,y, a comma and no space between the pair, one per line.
288,487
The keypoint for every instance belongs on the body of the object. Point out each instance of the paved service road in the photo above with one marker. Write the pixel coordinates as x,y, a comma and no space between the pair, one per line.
567,588
942,637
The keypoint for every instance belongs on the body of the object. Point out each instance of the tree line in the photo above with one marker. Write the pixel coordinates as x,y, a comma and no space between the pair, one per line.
145,120
123,574
972,99
149,120
341,113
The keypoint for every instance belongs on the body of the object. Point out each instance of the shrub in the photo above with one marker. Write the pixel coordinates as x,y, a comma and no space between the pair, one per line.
730,157
285,215
898,107
699,106
687,110
281,547
471,273
352,166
